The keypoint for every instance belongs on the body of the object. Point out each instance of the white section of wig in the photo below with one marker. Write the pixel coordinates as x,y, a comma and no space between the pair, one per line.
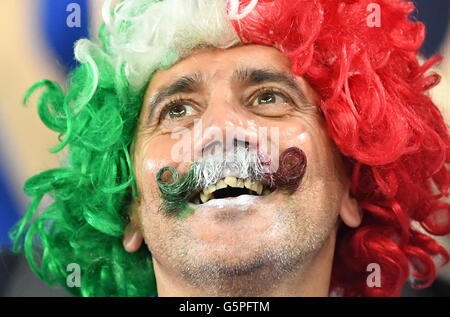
146,35
83,53
241,163
234,9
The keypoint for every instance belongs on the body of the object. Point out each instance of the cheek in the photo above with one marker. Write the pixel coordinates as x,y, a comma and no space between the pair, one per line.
312,138
320,192
152,155
157,148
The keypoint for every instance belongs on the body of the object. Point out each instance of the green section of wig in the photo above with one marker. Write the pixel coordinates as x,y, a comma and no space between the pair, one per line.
89,196
175,194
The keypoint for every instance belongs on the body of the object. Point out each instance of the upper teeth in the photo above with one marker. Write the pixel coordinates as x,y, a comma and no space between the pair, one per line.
207,193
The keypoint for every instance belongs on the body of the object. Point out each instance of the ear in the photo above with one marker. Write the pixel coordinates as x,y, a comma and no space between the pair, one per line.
132,237
350,213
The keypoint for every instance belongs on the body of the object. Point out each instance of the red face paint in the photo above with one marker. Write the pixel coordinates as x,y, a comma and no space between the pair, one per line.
290,171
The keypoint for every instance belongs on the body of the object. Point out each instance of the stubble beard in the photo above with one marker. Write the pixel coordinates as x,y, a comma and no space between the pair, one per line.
223,274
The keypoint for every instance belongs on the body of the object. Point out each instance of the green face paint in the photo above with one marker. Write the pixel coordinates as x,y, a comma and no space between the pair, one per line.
175,194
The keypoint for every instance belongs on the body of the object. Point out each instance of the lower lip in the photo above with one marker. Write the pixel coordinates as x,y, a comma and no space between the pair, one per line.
242,202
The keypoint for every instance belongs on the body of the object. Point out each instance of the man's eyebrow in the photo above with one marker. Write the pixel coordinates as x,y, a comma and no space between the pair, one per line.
184,84
259,76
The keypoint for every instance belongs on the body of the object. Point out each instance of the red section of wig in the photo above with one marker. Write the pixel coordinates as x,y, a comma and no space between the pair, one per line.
373,98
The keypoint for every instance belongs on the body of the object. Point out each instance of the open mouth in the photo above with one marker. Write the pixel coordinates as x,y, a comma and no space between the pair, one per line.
229,187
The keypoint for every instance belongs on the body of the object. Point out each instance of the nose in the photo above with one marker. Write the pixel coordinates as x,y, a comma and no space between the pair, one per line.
223,127
240,143
213,146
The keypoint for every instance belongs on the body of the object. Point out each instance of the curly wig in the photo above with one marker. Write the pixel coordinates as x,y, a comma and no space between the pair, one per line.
373,96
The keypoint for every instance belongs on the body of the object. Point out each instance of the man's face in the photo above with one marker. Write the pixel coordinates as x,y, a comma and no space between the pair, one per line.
250,87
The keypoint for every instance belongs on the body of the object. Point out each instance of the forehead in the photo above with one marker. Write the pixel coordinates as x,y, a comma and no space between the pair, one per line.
216,63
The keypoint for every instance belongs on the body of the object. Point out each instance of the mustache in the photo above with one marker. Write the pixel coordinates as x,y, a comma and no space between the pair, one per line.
241,162
292,168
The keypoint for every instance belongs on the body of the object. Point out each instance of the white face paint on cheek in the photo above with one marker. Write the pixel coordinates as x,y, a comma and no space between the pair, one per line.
146,172
152,166
302,138
294,134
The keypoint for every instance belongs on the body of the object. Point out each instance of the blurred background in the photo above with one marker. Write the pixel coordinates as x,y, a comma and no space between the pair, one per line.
38,38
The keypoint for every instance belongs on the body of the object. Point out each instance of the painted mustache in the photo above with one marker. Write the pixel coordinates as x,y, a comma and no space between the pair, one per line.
241,172
290,172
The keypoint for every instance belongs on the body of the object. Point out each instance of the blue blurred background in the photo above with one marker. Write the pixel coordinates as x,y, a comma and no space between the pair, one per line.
58,38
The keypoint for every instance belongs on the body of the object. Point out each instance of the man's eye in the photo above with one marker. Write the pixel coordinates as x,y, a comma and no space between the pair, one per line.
175,111
268,97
